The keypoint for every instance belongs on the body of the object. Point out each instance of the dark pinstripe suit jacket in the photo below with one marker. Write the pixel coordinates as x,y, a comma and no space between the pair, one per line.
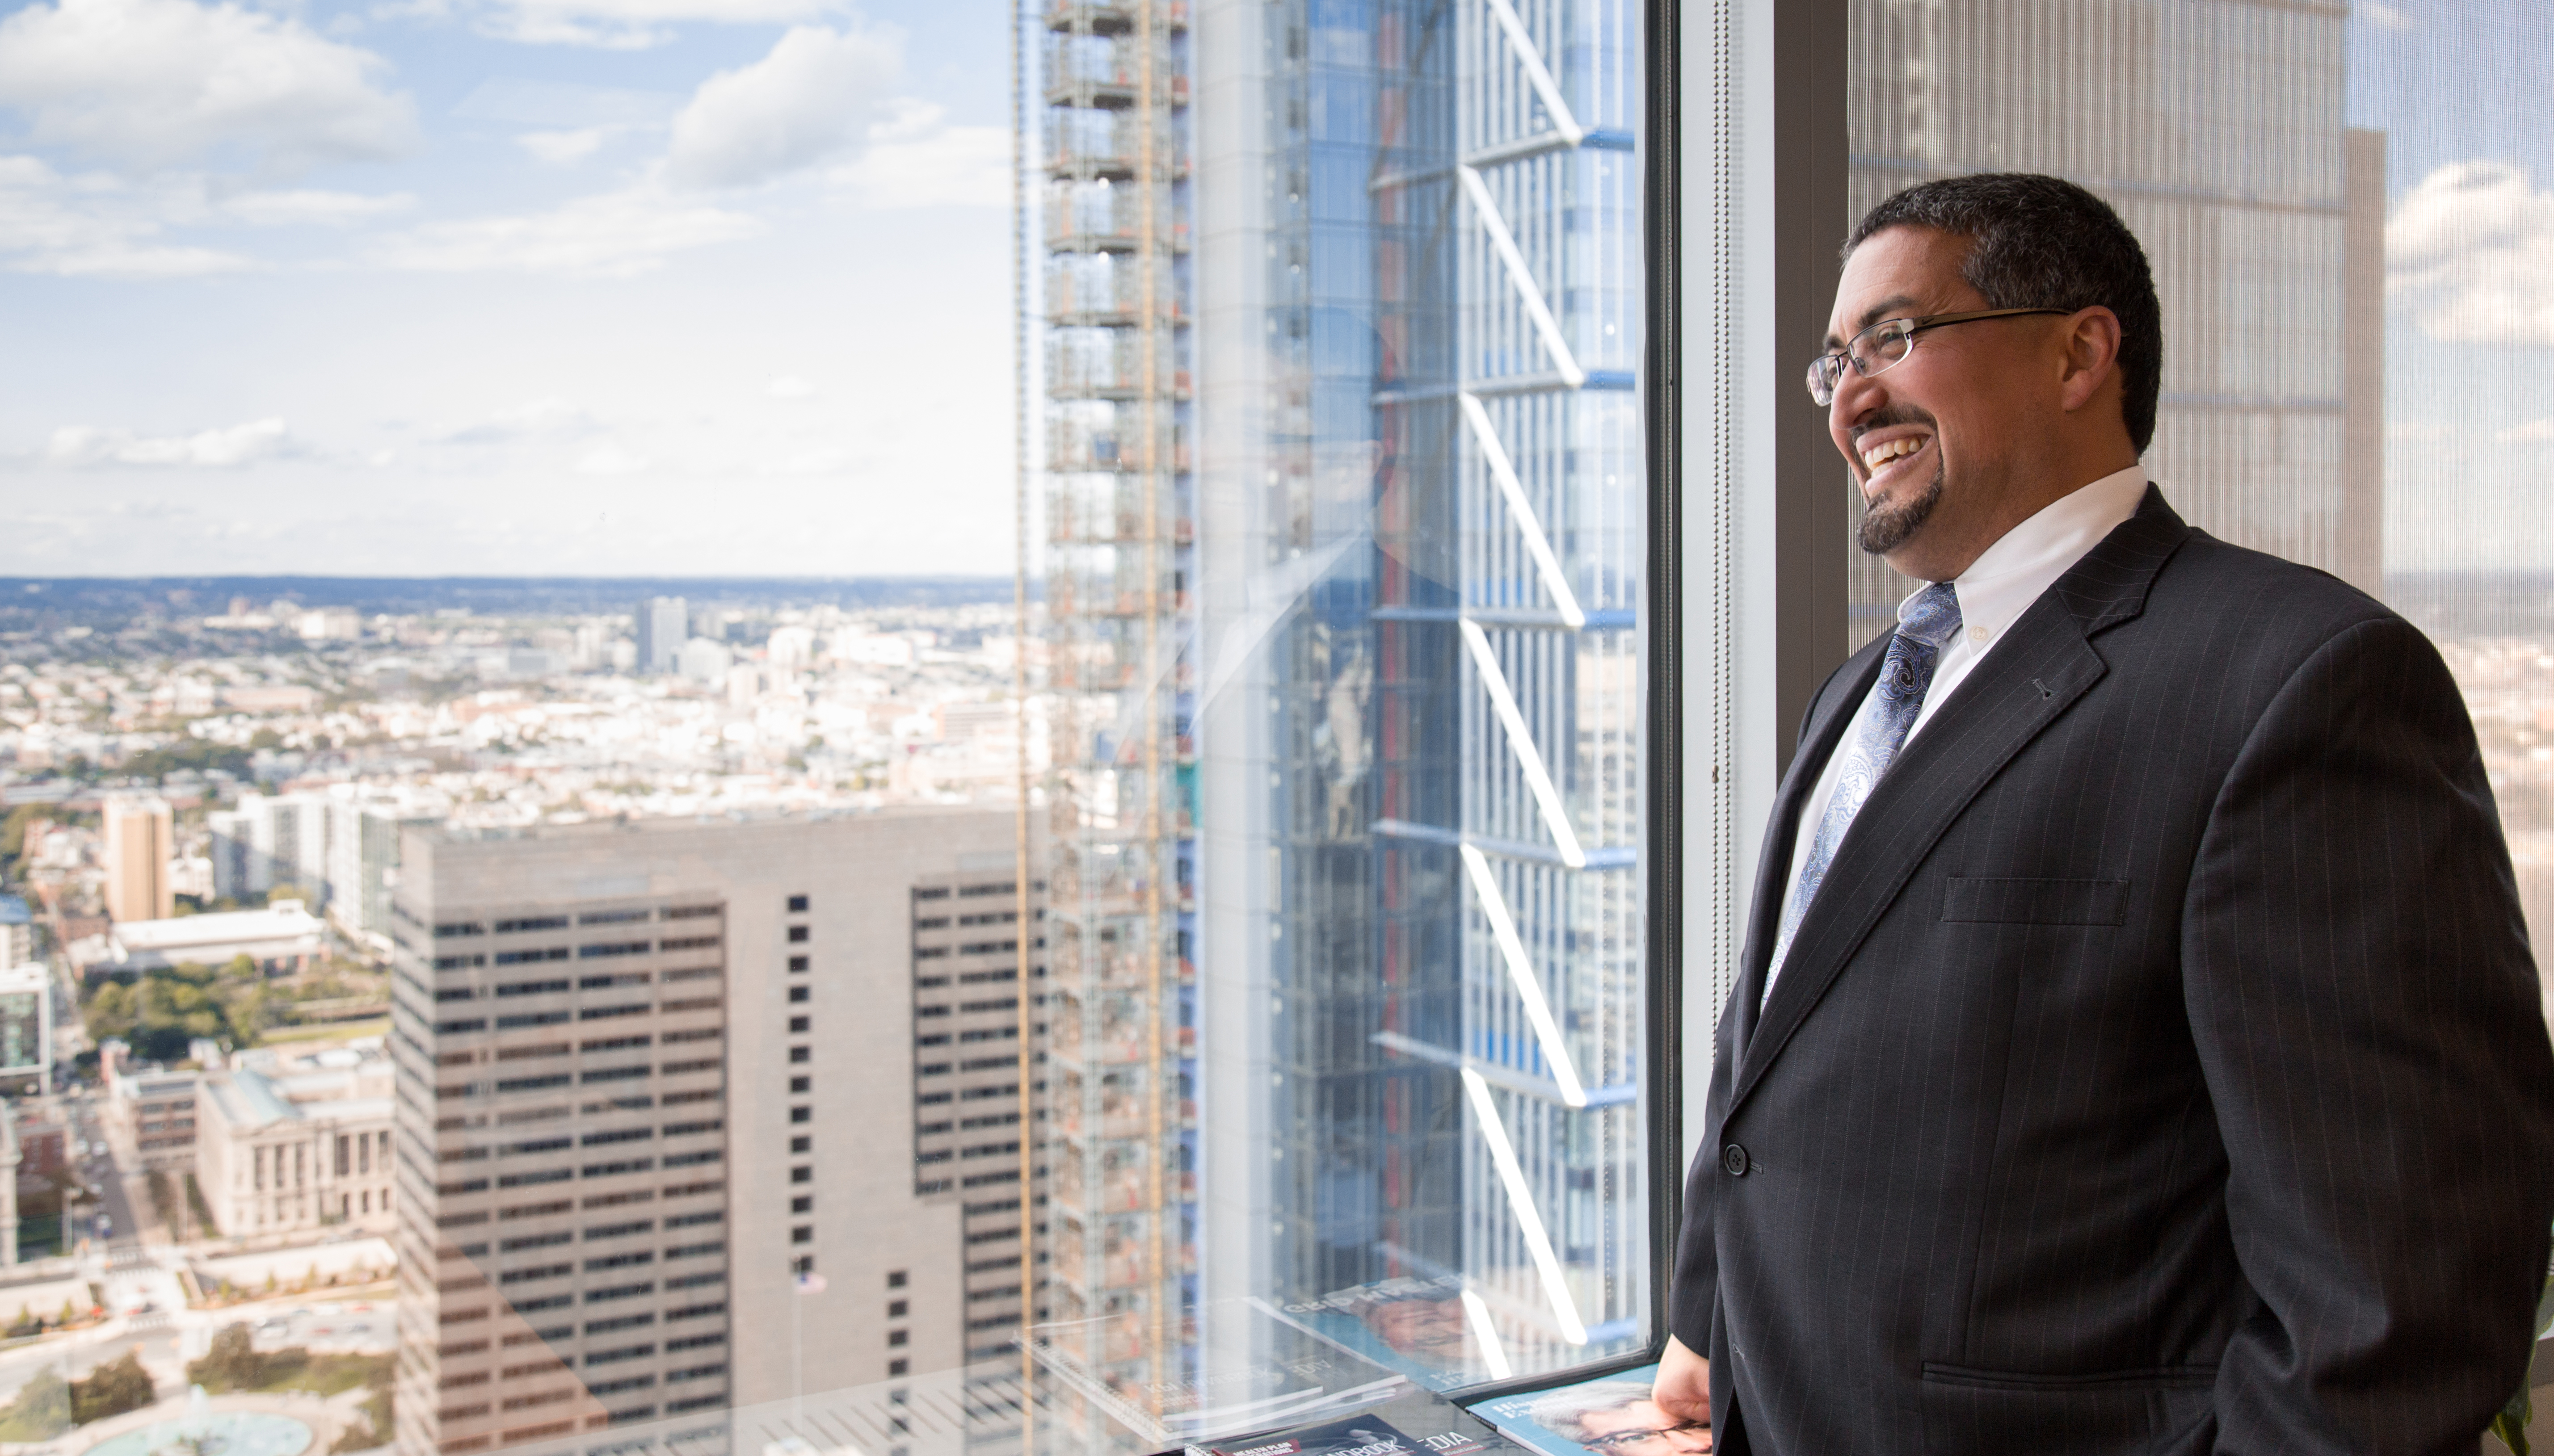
2161,1067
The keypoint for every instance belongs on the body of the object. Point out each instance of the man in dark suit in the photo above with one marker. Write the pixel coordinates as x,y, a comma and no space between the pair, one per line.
2136,1046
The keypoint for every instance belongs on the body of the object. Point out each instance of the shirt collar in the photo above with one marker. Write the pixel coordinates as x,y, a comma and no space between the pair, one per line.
2027,560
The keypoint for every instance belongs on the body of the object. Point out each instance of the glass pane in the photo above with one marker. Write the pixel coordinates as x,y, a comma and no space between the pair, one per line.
593,890
2358,345
1343,531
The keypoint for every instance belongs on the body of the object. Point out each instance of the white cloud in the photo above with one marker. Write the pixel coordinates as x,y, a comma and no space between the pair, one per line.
811,100
241,444
559,149
611,236
2534,432
630,23
2471,246
609,459
533,419
915,158
565,105
789,386
314,208
96,226
149,84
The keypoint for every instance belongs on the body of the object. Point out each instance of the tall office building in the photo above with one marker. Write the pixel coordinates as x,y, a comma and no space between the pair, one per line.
662,624
2216,128
1411,683
1121,548
137,847
1452,531
697,1115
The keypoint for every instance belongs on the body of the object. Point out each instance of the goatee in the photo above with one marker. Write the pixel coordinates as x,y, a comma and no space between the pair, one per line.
1885,528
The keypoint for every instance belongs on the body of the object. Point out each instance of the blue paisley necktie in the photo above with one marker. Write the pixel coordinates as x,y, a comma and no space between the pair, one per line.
1926,622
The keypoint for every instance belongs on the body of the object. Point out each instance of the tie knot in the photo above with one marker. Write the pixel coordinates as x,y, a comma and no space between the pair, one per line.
1932,615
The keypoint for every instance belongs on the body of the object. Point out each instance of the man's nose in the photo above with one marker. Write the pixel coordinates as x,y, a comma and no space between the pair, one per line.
1854,397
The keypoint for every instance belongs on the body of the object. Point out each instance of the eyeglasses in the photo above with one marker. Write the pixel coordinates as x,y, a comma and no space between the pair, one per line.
1622,1438
1886,344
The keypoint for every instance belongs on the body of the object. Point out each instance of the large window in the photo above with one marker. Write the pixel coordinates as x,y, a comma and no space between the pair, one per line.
2336,200
756,724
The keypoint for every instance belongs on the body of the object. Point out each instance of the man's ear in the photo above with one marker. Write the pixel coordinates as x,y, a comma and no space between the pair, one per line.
2091,344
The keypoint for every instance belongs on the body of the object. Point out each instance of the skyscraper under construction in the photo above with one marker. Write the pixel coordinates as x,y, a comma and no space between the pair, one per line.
1118,1234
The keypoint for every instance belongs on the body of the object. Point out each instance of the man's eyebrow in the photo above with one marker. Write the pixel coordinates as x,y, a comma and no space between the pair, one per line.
1888,307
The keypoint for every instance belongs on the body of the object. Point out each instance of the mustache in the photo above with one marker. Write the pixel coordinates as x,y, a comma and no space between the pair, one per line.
1891,416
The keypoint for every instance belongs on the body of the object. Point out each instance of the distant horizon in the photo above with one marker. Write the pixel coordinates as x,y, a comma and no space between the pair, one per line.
30,601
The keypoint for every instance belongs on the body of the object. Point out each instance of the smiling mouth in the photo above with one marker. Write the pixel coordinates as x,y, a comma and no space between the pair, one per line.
1880,460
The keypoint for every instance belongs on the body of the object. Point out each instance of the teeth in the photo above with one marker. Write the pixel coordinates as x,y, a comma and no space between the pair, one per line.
1880,455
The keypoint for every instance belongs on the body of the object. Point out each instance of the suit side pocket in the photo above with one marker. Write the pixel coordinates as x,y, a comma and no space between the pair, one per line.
2094,1415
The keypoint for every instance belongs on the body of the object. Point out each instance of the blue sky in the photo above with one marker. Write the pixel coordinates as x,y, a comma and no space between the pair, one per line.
381,287
2458,87
504,285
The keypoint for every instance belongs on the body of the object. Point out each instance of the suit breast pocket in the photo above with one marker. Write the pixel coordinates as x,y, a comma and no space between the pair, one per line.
2035,902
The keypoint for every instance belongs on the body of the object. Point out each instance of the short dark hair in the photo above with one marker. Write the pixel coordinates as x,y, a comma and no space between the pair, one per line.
2042,242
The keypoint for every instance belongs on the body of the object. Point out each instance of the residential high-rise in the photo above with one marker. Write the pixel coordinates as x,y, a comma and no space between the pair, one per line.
663,624
137,847
271,842
2216,129
699,1115
364,828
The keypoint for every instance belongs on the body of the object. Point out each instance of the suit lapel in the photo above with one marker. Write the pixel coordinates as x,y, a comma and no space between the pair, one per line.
1829,718
2043,664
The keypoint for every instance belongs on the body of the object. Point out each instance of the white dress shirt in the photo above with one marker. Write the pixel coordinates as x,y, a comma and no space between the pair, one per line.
1994,591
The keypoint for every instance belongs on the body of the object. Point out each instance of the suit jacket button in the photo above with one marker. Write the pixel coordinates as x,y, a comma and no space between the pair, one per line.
1733,1161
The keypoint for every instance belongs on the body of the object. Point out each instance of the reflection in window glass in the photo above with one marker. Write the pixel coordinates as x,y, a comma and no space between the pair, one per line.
1343,541
594,911
2359,350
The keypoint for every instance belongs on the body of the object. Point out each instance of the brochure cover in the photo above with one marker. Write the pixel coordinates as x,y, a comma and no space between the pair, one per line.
1611,1415
1412,1326
1358,1435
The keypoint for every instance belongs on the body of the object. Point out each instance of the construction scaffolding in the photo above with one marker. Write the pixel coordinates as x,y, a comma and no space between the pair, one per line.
1117,1281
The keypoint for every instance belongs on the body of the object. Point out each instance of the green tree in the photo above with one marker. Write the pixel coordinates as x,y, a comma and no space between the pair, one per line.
112,1389
232,1362
41,1411
111,1012
13,830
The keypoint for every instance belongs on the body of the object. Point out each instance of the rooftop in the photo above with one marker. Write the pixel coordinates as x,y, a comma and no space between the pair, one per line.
285,920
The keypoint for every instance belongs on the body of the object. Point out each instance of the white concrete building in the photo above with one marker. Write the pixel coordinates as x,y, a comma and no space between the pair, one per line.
292,1143
283,936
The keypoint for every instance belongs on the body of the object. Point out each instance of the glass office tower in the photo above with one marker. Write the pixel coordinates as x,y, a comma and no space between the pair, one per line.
1421,528
2217,130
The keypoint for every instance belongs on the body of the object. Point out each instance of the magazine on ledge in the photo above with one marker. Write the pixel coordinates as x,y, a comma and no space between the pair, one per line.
1412,1326
1358,1435
1611,1415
